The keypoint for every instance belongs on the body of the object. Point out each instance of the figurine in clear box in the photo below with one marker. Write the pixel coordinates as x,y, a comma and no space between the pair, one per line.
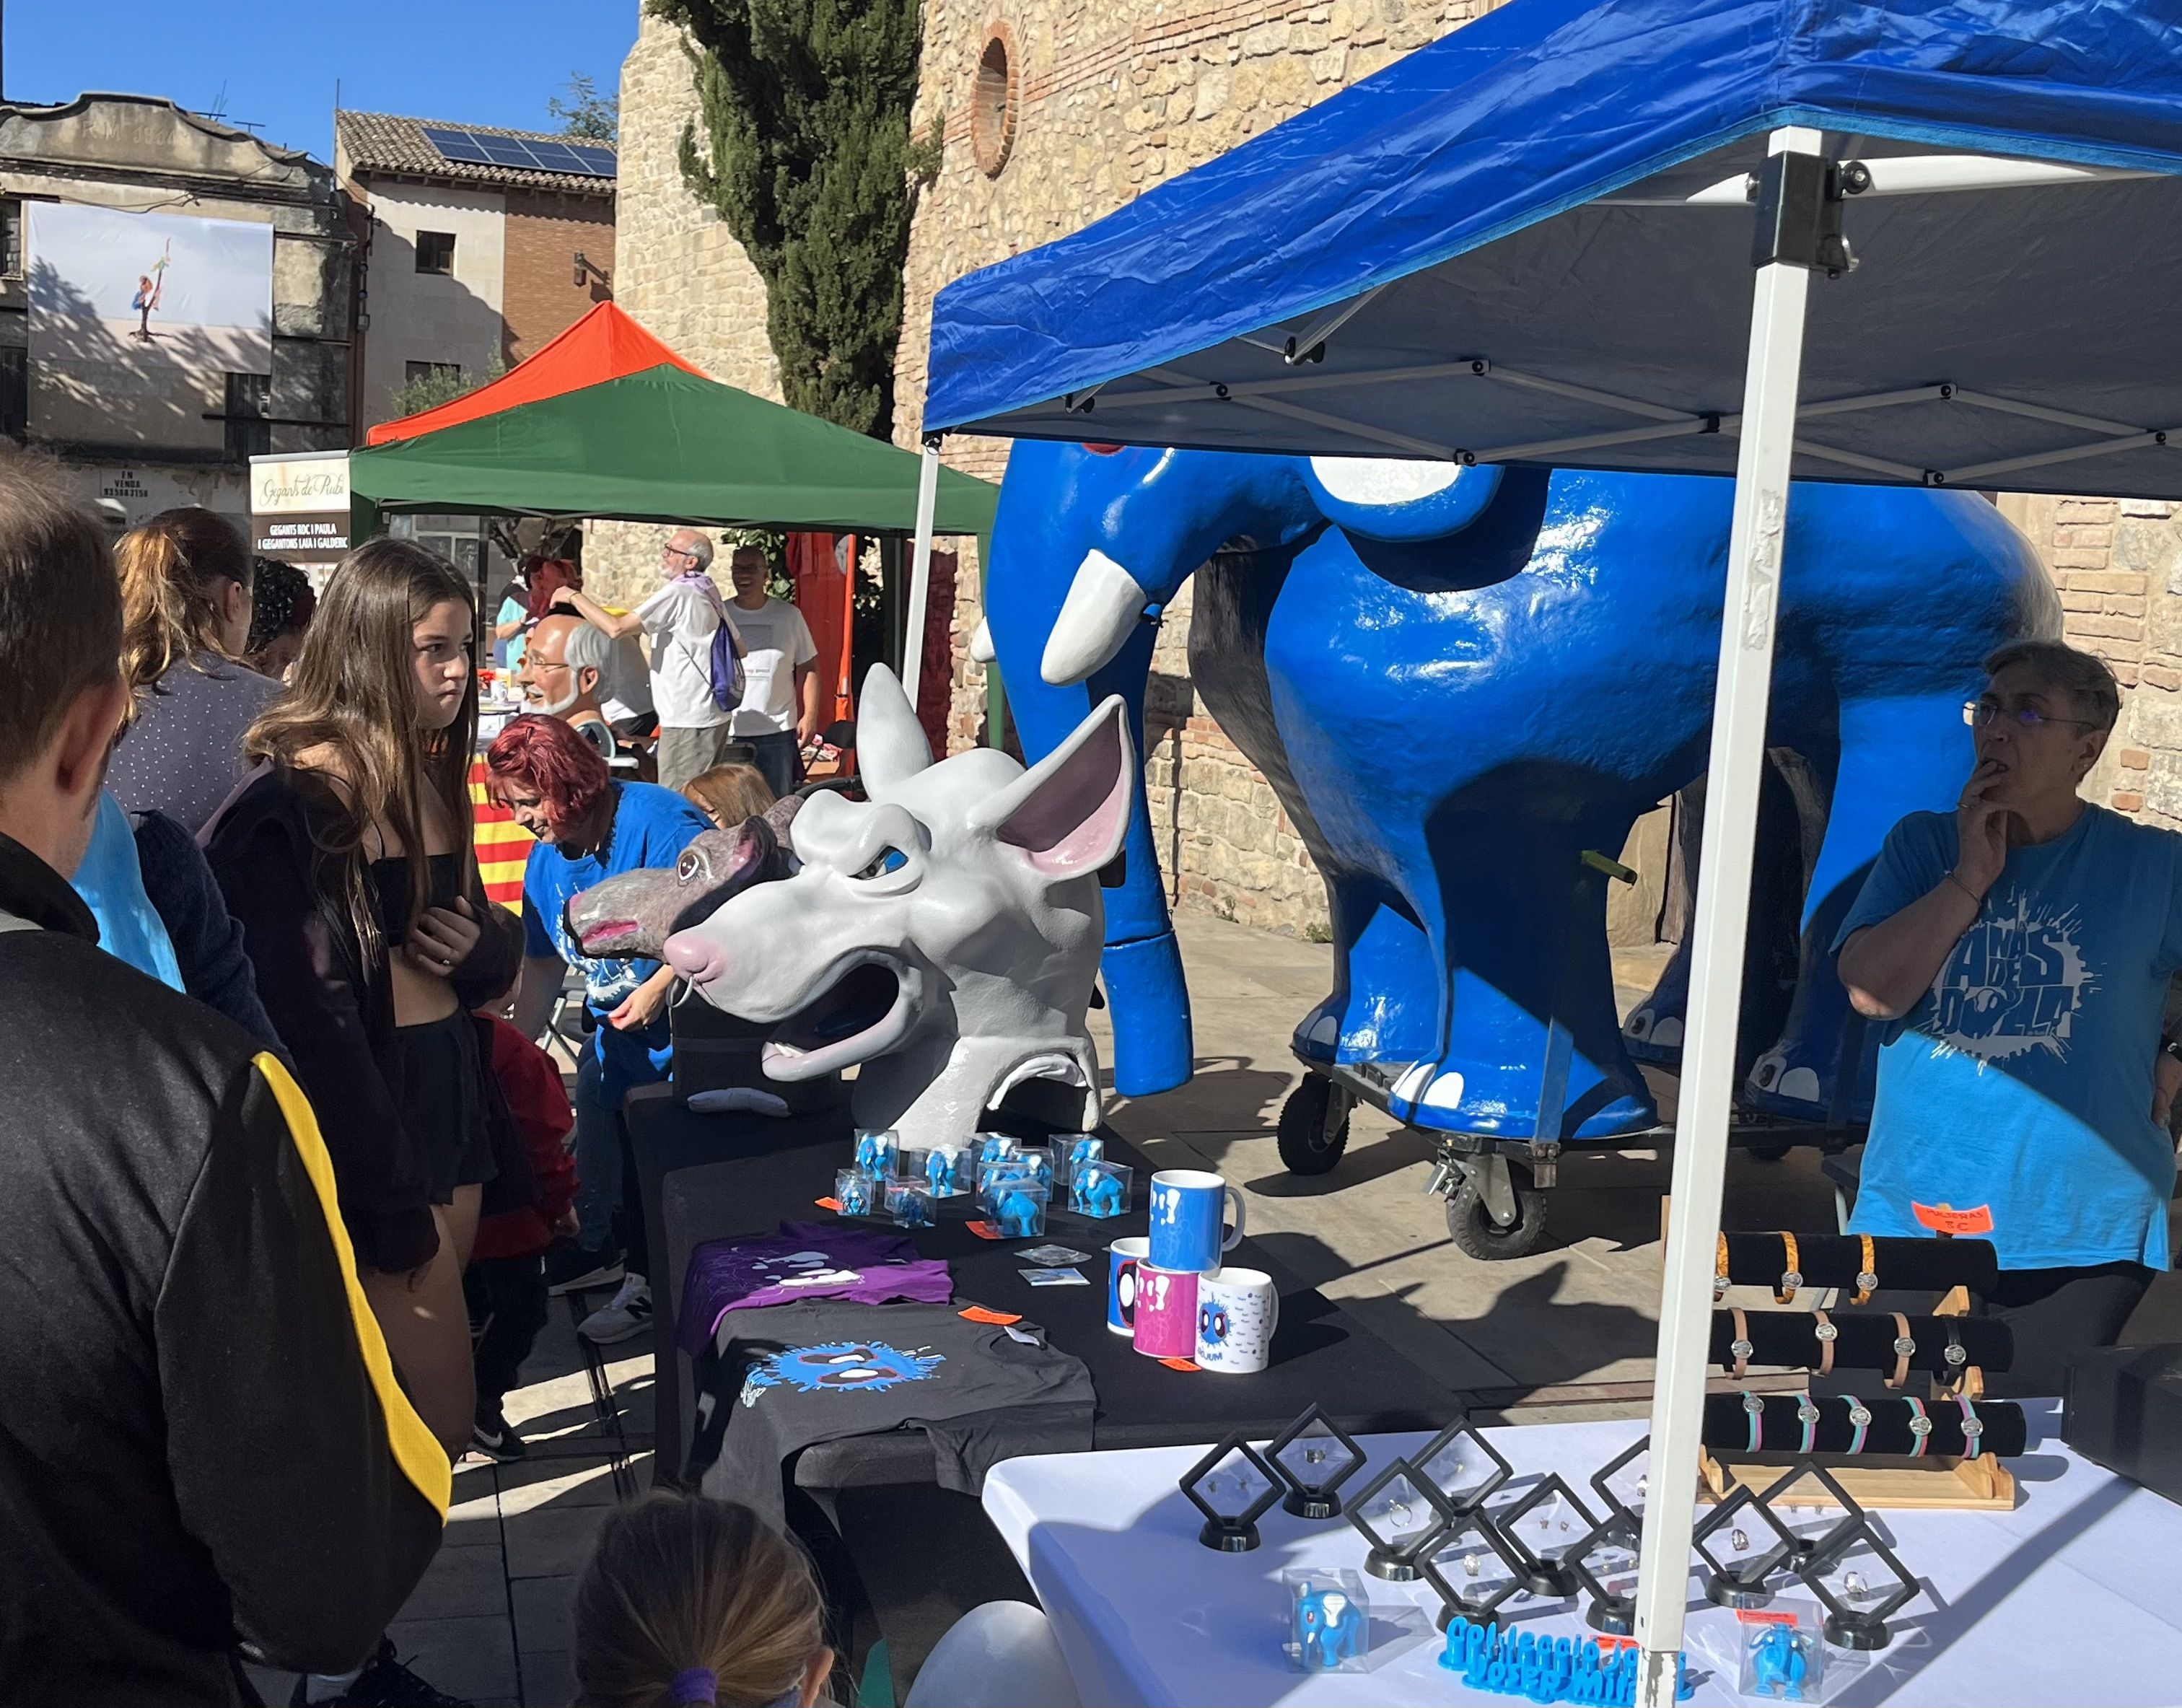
855,1194
876,1151
1778,1664
1329,1627
944,1170
1084,1147
1096,1190
1020,1214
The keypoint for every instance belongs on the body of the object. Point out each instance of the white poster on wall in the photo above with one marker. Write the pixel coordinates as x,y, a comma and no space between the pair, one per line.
137,290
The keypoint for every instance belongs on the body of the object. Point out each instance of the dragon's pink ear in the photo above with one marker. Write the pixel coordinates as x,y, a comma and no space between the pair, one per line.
1070,812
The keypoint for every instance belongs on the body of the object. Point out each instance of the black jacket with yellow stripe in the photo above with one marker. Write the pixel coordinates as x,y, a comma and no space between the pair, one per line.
202,1440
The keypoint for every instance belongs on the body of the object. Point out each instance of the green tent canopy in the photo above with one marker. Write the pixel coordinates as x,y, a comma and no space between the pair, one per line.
664,445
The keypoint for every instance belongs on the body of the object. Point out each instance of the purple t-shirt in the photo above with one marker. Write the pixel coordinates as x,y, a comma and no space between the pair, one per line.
806,1260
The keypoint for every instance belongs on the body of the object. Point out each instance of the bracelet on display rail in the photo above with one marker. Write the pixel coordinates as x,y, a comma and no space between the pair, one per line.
1867,1277
1740,1347
1806,1414
1826,1334
1860,1416
1972,1428
1792,1271
1754,1408
1719,1270
1905,1349
1920,1426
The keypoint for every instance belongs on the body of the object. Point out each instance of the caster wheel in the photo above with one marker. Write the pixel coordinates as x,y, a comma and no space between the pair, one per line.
1768,1153
1471,1225
1306,1148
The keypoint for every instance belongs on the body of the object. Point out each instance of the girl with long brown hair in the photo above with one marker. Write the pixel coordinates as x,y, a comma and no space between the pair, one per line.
348,859
185,596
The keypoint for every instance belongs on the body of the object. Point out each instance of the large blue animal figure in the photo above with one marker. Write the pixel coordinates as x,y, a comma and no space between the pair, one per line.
1458,680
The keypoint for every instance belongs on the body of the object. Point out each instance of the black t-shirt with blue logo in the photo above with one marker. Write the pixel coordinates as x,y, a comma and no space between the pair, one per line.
790,1376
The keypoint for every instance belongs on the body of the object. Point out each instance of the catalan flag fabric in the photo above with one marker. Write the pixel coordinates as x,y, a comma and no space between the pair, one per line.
503,846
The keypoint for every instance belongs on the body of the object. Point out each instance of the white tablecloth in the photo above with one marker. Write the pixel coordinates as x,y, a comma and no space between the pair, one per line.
2073,1598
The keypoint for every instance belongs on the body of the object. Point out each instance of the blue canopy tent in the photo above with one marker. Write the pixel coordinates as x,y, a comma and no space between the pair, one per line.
1586,235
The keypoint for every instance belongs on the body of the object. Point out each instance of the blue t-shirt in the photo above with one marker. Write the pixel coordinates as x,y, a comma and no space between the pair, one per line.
2019,1089
651,827
111,882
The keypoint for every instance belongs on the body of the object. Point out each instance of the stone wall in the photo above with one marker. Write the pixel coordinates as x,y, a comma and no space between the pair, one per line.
676,268
1109,99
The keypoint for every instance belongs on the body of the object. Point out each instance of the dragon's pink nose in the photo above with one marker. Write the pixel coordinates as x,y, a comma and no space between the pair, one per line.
697,956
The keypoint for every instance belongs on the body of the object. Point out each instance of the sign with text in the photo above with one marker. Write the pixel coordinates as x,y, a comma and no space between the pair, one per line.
299,507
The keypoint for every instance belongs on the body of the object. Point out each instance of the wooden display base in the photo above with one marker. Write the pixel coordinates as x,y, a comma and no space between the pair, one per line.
1982,1484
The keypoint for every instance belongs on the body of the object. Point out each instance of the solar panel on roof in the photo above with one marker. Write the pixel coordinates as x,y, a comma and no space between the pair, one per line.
557,156
482,148
456,145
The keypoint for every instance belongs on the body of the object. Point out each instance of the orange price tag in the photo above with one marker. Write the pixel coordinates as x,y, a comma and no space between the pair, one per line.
1182,1363
984,1230
833,1204
1943,1219
978,1313
1765,1616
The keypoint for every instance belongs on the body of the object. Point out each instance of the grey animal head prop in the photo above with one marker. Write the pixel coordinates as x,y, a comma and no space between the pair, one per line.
942,937
632,915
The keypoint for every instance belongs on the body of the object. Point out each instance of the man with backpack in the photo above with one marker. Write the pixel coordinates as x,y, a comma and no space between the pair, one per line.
696,656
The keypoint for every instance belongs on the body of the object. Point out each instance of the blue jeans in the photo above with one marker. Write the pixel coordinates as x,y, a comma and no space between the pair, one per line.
598,1158
778,758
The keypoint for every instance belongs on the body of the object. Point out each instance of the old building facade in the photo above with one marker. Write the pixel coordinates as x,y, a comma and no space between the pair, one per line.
140,432
1056,112
480,245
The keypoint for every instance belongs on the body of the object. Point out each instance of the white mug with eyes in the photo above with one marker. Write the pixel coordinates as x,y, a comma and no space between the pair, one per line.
1238,1311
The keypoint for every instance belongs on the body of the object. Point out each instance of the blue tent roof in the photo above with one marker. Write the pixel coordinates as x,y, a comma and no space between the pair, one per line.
1519,188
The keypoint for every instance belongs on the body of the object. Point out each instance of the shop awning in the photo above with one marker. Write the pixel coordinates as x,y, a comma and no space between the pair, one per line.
660,444
1529,243
604,344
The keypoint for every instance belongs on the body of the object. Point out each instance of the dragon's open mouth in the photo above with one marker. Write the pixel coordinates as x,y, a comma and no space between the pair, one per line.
864,1007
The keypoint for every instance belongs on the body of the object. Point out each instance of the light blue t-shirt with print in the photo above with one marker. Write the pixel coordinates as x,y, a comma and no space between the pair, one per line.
651,827
2019,1087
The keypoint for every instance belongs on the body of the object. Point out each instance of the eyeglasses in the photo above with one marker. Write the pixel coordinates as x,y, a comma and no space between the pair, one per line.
677,552
1977,713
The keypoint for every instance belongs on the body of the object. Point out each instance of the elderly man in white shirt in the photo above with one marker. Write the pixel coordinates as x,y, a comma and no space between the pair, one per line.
680,619
778,711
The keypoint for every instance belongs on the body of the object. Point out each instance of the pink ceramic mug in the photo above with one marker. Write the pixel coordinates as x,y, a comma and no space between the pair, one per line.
1166,1312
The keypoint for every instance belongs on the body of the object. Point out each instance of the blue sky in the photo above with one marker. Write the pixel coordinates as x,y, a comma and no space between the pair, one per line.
488,62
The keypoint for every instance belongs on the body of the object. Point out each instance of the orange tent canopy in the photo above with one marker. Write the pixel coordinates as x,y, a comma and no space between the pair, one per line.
606,344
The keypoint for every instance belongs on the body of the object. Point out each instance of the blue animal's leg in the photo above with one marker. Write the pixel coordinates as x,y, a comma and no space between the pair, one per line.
1898,756
1386,1001
1524,954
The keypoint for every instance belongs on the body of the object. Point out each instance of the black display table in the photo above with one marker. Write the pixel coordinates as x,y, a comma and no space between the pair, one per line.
710,1177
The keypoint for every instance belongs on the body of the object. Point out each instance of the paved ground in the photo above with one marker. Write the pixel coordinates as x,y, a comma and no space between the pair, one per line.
1566,1332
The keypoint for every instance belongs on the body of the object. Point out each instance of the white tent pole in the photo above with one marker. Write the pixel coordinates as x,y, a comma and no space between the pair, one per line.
920,570
1756,539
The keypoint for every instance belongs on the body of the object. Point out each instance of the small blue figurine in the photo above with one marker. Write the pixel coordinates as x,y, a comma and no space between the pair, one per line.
1329,1627
909,1209
856,1197
1018,1214
995,1183
1778,1664
875,1153
942,1169
1094,1192
1084,1147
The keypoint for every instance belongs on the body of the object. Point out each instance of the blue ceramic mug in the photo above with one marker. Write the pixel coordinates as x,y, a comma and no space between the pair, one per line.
1185,1207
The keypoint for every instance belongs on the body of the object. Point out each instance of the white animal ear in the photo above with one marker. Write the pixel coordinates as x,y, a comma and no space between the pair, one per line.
890,744
1070,812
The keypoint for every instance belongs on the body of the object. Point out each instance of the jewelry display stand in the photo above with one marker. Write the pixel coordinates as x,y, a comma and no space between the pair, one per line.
1844,1265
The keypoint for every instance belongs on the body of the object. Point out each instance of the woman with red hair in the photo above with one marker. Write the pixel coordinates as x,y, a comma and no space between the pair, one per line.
590,828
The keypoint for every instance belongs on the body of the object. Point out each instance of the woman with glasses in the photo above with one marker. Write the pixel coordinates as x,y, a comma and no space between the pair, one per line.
2022,946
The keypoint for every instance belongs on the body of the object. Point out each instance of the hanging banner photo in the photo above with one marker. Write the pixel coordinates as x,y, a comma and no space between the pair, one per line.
124,292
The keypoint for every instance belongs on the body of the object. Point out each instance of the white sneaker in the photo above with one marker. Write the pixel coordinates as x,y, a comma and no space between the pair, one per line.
625,1316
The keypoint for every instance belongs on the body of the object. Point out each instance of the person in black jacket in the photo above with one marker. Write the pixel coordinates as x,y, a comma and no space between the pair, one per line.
215,968
203,1444
347,858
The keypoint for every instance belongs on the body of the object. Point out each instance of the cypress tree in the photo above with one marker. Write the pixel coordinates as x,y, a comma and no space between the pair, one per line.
805,153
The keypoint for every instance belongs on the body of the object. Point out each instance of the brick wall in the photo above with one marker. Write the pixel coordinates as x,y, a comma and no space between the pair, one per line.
539,296
2117,564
